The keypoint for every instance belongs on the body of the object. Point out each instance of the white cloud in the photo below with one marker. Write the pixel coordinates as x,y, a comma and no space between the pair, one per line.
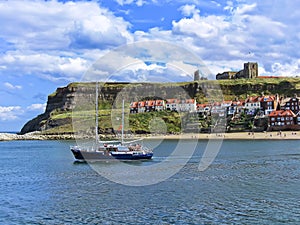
244,34
199,27
128,2
37,107
8,113
52,38
146,61
188,10
59,41
51,24
12,113
243,9
11,86
39,64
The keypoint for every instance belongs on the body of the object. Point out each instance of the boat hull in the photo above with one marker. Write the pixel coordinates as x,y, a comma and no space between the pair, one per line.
90,155
126,156
82,155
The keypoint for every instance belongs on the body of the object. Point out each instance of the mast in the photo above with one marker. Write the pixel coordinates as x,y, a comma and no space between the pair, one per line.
97,122
122,137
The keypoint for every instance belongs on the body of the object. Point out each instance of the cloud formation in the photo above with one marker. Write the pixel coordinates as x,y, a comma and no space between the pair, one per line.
11,86
51,38
45,44
10,113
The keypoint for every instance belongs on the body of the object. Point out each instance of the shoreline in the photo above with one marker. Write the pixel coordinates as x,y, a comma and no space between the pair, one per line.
274,135
283,135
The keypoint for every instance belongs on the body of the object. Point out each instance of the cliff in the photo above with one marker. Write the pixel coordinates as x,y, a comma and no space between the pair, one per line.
58,117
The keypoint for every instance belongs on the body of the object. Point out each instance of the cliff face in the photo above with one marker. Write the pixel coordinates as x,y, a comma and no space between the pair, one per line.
64,100
61,100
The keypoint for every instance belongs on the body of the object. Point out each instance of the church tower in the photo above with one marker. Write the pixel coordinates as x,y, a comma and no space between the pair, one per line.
250,70
196,75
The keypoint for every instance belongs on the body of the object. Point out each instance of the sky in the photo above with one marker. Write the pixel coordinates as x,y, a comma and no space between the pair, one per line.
48,44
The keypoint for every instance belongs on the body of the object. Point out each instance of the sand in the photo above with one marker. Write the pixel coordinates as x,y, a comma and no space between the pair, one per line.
284,135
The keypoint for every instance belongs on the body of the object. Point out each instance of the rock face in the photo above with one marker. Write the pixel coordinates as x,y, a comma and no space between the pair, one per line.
66,99
61,100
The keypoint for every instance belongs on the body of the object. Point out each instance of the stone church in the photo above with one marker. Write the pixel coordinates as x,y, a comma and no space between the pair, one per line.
250,71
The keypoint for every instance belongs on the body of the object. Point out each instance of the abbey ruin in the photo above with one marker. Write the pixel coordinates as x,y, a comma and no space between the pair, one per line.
250,71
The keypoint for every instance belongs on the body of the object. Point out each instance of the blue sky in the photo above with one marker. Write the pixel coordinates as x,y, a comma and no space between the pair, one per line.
47,44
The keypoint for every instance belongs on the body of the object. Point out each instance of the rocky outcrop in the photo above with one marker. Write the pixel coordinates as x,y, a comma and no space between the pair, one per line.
34,124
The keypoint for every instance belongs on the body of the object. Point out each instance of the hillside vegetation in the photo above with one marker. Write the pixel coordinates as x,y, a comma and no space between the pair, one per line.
64,114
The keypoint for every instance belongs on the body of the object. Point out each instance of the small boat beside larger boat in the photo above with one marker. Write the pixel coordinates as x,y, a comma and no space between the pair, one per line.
111,149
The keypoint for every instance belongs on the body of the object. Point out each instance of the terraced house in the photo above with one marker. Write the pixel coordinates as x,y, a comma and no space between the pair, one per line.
290,104
282,120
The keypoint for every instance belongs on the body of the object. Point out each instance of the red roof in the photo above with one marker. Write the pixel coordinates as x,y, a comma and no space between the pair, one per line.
172,100
190,101
260,99
282,113
150,103
159,102
201,106
134,104
141,104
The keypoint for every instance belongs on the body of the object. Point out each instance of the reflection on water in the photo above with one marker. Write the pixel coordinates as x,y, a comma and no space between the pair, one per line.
248,183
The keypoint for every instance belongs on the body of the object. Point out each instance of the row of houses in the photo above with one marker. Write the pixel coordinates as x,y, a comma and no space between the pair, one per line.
264,104
187,105
281,112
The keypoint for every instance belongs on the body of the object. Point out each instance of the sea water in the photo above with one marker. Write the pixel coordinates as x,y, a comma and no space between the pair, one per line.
249,182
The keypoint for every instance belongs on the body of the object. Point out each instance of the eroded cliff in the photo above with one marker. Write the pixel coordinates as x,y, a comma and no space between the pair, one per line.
80,97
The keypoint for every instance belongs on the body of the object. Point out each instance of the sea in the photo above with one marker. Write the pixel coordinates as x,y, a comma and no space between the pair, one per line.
247,182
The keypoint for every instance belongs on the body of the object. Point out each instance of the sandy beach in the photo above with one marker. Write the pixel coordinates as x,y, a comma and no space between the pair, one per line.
284,135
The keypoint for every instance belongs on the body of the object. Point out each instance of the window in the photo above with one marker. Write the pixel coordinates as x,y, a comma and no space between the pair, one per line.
273,119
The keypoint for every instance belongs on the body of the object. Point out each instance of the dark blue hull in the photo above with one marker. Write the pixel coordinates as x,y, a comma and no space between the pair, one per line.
82,155
132,156
90,155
